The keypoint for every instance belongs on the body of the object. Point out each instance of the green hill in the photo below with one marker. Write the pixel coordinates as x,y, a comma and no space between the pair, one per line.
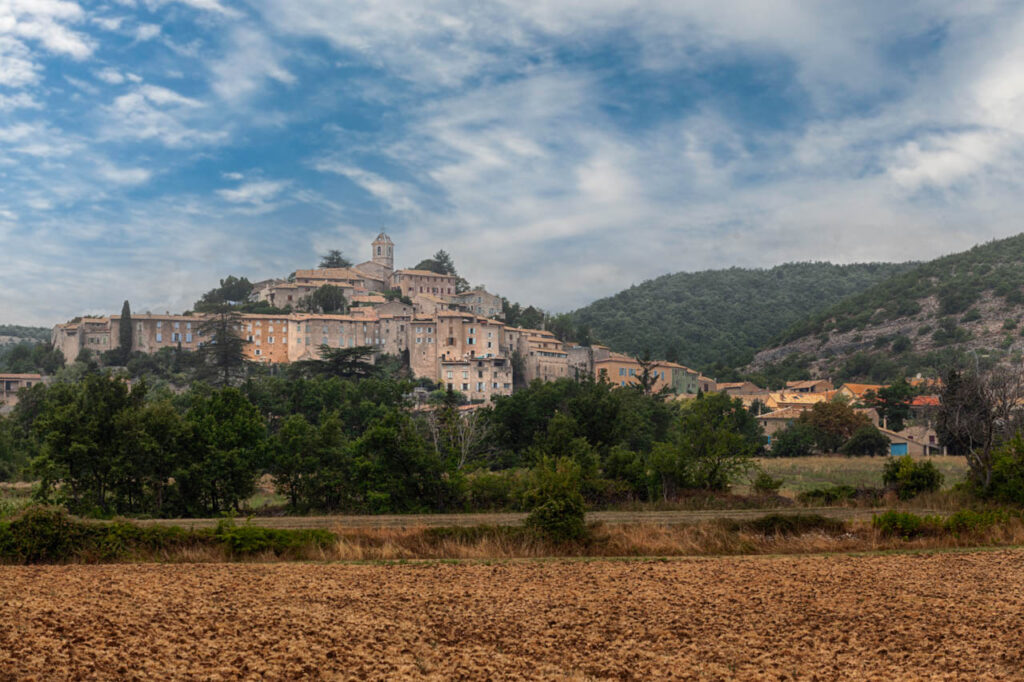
917,319
721,317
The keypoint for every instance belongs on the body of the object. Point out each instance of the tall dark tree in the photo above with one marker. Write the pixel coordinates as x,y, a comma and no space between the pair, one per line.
327,299
342,362
892,403
125,332
223,349
442,263
335,259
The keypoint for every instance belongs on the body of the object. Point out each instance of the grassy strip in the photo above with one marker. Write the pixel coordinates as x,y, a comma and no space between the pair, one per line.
47,535
41,535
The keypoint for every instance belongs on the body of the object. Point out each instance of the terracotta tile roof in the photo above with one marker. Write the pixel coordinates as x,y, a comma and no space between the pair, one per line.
926,401
860,389
783,413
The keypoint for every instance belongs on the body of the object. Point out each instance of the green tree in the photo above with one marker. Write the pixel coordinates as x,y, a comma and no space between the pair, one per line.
442,263
225,455
334,259
834,423
866,440
796,440
710,445
232,290
892,403
348,363
125,333
327,299
223,348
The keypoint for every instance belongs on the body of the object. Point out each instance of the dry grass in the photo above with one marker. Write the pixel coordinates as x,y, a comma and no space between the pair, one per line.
800,474
646,540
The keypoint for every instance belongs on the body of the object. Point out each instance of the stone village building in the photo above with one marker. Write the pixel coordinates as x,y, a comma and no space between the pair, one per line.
446,335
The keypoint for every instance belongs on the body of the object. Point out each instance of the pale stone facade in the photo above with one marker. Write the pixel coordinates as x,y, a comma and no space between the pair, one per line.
453,339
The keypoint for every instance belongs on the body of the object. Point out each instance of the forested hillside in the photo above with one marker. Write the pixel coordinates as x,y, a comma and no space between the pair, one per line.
722,317
969,302
19,344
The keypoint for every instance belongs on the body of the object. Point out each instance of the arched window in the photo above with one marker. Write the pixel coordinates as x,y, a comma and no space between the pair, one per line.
378,250
389,252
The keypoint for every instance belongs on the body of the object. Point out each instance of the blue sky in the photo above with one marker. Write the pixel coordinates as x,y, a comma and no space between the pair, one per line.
559,151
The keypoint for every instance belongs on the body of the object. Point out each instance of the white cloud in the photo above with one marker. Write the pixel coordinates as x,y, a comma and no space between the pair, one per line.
16,66
124,176
251,59
110,75
394,195
155,112
46,21
257,197
145,32
108,23
18,100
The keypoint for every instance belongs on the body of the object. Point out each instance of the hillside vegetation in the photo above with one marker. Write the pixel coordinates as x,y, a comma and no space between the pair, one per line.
722,317
917,320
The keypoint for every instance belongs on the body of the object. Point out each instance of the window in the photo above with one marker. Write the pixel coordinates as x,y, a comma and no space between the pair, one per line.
159,324
480,387
465,387
188,338
188,325
419,340
176,337
175,325
270,339
465,375
259,352
159,337
622,371
450,374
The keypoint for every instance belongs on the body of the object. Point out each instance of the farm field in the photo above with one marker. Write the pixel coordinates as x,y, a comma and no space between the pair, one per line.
800,474
853,617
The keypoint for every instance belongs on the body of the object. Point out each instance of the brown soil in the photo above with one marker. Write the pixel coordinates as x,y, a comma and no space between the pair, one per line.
936,616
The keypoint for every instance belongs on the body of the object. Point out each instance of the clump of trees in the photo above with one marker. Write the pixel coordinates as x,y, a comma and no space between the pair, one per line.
338,437
829,427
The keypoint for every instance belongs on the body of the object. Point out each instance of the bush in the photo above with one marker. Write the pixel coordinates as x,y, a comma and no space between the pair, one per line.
909,478
249,540
905,524
1008,472
764,484
826,496
560,518
555,502
49,535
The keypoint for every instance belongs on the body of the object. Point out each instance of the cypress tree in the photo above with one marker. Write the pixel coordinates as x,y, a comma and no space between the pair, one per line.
124,332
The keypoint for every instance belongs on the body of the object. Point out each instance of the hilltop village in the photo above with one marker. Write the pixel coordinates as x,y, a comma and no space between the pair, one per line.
455,338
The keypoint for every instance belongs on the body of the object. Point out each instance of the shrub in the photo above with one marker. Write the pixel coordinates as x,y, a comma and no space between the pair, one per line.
556,505
249,540
909,478
826,496
560,518
1008,472
905,524
970,521
764,484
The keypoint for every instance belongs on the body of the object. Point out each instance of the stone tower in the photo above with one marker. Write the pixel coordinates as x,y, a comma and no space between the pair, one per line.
383,251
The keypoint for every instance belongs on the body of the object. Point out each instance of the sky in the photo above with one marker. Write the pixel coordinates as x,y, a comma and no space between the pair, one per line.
560,151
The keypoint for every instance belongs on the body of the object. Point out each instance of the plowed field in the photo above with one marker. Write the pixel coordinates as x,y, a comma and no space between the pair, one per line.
955,616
